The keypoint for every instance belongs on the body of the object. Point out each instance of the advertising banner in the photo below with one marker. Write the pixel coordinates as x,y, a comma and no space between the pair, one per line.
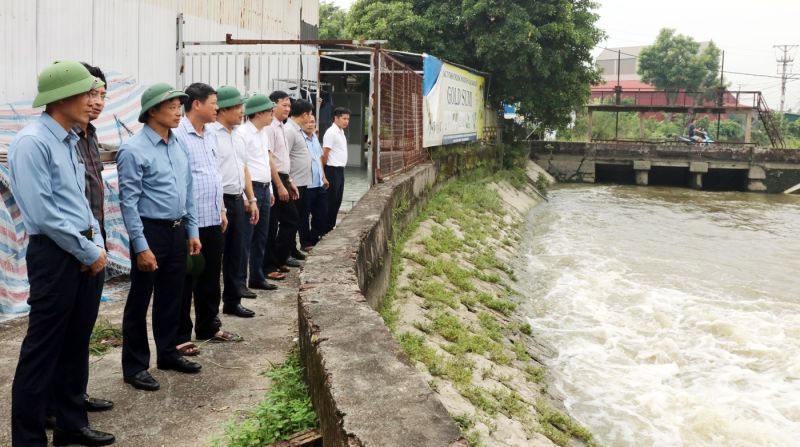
453,103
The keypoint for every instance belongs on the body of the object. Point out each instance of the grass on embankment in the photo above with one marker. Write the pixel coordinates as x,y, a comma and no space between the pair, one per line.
285,410
451,306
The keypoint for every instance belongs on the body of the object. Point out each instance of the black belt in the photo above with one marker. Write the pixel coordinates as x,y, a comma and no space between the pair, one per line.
261,185
232,196
88,234
164,222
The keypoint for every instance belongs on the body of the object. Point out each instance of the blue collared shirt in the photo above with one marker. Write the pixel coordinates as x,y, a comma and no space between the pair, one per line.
48,181
207,182
315,149
155,182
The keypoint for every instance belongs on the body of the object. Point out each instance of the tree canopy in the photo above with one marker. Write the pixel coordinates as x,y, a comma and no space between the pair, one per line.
675,62
537,52
331,21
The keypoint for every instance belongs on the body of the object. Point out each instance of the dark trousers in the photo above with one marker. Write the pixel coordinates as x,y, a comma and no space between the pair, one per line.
204,288
256,236
335,176
54,357
232,255
282,229
313,212
165,285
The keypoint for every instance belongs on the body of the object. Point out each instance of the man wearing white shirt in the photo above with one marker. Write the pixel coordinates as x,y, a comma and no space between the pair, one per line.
258,110
283,217
334,160
235,184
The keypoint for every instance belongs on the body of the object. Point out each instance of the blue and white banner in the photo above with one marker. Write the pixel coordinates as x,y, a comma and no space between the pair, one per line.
453,103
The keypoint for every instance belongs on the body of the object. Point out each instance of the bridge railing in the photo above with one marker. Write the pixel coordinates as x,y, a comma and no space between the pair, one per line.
677,98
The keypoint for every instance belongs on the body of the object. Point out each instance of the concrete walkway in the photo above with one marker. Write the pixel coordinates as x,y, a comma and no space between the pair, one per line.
189,410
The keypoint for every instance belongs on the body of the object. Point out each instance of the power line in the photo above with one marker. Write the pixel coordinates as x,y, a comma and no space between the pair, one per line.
785,60
758,75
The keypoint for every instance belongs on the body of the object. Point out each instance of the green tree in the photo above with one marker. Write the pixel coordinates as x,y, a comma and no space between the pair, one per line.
674,62
537,52
332,20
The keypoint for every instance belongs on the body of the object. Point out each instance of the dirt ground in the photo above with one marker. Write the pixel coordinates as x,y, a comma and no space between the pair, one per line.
188,410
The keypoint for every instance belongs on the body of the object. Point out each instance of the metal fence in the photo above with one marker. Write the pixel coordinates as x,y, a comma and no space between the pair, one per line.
399,116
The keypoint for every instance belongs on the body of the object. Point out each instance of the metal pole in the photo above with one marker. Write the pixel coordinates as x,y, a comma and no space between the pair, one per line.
618,90
179,56
721,90
376,112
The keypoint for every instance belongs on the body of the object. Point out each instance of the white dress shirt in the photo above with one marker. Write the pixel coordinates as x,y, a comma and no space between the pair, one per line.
258,149
277,143
232,159
335,140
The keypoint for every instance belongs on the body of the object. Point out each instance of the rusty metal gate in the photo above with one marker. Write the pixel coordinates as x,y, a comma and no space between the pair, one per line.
399,116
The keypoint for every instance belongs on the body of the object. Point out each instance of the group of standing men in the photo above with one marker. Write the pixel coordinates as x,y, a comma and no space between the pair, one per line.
203,195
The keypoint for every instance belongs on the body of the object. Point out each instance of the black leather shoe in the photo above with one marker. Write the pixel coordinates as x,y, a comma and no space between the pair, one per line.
84,436
239,311
297,255
180,364
262,286
143,381
292,262
246,293
94,405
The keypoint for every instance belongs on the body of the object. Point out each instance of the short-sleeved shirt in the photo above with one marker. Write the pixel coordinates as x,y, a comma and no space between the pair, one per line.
207,182
277,143
337,142
258,149
298,153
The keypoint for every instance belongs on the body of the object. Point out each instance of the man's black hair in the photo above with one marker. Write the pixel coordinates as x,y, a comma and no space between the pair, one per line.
339,111
197,92
96,72
299,107
277,95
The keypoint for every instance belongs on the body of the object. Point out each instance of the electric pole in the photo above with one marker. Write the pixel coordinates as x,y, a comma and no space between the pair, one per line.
785,60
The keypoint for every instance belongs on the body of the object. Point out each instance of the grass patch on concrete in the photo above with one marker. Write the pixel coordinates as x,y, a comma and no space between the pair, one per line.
104,337
285,410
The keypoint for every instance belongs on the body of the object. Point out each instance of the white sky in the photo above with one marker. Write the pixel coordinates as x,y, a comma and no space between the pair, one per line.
745,30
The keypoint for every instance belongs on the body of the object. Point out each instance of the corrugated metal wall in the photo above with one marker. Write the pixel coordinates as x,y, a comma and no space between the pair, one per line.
133,37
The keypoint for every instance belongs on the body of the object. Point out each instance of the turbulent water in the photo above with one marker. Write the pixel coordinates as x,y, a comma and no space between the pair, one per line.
675,314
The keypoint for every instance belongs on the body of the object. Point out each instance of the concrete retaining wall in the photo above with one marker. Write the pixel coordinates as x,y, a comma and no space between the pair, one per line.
364,388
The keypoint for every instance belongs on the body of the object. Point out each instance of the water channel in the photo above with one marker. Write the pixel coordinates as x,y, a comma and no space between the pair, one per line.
675,313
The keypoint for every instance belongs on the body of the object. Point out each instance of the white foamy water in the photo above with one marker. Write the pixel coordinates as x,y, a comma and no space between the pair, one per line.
675,313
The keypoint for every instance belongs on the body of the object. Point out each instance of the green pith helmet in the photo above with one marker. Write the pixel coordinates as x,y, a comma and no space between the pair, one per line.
257,103
63,79
195,264
228,96
155,95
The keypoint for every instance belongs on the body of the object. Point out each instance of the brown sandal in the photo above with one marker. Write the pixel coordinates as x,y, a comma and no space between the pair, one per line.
276,276
224,337
188,349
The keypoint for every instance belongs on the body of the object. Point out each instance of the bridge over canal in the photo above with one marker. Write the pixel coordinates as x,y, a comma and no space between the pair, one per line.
715,167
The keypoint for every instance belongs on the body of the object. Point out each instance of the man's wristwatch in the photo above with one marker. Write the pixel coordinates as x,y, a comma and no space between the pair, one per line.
290,180
253,200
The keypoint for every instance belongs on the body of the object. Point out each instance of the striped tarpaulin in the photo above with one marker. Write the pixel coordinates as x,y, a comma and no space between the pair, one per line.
121,111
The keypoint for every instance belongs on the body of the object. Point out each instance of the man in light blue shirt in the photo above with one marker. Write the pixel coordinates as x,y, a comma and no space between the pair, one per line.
155,188
64,258
315,205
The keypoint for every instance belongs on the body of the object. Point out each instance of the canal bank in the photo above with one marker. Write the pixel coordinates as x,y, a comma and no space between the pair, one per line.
450,362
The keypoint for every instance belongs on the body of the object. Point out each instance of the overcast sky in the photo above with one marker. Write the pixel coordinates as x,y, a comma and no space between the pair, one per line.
745,30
